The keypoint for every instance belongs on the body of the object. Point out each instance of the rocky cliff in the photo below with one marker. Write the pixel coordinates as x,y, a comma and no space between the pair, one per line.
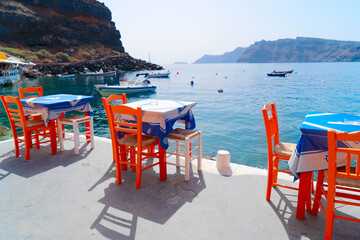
81,30
58,23
302,49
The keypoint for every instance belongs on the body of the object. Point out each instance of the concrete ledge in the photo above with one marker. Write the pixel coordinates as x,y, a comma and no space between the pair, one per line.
68,196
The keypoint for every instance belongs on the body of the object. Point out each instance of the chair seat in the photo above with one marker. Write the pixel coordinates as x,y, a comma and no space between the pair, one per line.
31,123
35,115
181,134
131,140
76,118
284,149
344,181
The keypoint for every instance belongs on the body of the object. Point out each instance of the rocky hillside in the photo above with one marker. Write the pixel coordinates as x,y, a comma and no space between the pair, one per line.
61,31
228,57
302,50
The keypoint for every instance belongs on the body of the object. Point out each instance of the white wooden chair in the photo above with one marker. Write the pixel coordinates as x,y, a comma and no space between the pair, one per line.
184,138
74,121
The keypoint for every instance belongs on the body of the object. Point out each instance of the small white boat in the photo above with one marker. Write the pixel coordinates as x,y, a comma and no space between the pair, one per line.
66,76
159,74
87,72
127,87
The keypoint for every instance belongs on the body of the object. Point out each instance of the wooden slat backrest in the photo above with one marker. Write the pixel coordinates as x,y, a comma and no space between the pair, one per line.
106,103
271,124
38,90
116,98
134,128
14,110
333,139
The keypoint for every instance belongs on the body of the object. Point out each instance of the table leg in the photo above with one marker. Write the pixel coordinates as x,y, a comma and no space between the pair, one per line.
162,164
53,141
304,195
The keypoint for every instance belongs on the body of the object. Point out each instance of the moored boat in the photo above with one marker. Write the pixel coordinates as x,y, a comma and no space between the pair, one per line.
159,74
10,70
66,76
128,87
87,73
276,74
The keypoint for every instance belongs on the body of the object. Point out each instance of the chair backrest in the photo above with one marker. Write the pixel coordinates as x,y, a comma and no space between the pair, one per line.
14,111
335,147
34,92
106,103
115,98
271,125
134,126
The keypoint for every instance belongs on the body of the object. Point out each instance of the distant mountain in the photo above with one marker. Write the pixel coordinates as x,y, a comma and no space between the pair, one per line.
302,49
228,57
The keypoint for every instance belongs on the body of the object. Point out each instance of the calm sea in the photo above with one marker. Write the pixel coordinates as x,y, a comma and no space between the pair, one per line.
232,120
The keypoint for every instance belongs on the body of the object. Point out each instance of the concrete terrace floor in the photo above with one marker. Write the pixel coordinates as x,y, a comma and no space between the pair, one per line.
65,196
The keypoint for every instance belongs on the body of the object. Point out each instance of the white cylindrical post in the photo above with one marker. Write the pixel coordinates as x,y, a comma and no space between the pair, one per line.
223,162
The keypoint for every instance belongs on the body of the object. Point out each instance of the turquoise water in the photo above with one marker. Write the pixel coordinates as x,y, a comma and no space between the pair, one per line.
232,120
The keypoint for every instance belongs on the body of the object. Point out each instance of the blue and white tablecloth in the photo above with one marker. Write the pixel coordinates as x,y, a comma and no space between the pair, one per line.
159,117
52,106
311,152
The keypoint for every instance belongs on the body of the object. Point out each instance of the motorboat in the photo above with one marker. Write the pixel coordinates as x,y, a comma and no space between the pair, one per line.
87,73
159,74
273,74
65,76
128,87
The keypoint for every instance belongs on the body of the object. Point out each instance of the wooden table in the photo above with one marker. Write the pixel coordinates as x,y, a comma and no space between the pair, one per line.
312,150
52,107
159,117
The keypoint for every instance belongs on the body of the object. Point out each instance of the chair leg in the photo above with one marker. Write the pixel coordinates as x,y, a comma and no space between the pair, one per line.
17,151
187,160
330,208
61,135
29,138
76,137
276,168
27,146
37,141
133,158
118,166
270,177
92,133
199,167
138,169
123,157
318,193
177,152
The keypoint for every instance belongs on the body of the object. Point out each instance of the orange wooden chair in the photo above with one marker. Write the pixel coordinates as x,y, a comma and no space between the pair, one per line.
106,102
18,121
31,92
136,142
342,182
277,151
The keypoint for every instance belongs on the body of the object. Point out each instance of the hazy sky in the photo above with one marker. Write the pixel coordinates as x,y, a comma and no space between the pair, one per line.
185,30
